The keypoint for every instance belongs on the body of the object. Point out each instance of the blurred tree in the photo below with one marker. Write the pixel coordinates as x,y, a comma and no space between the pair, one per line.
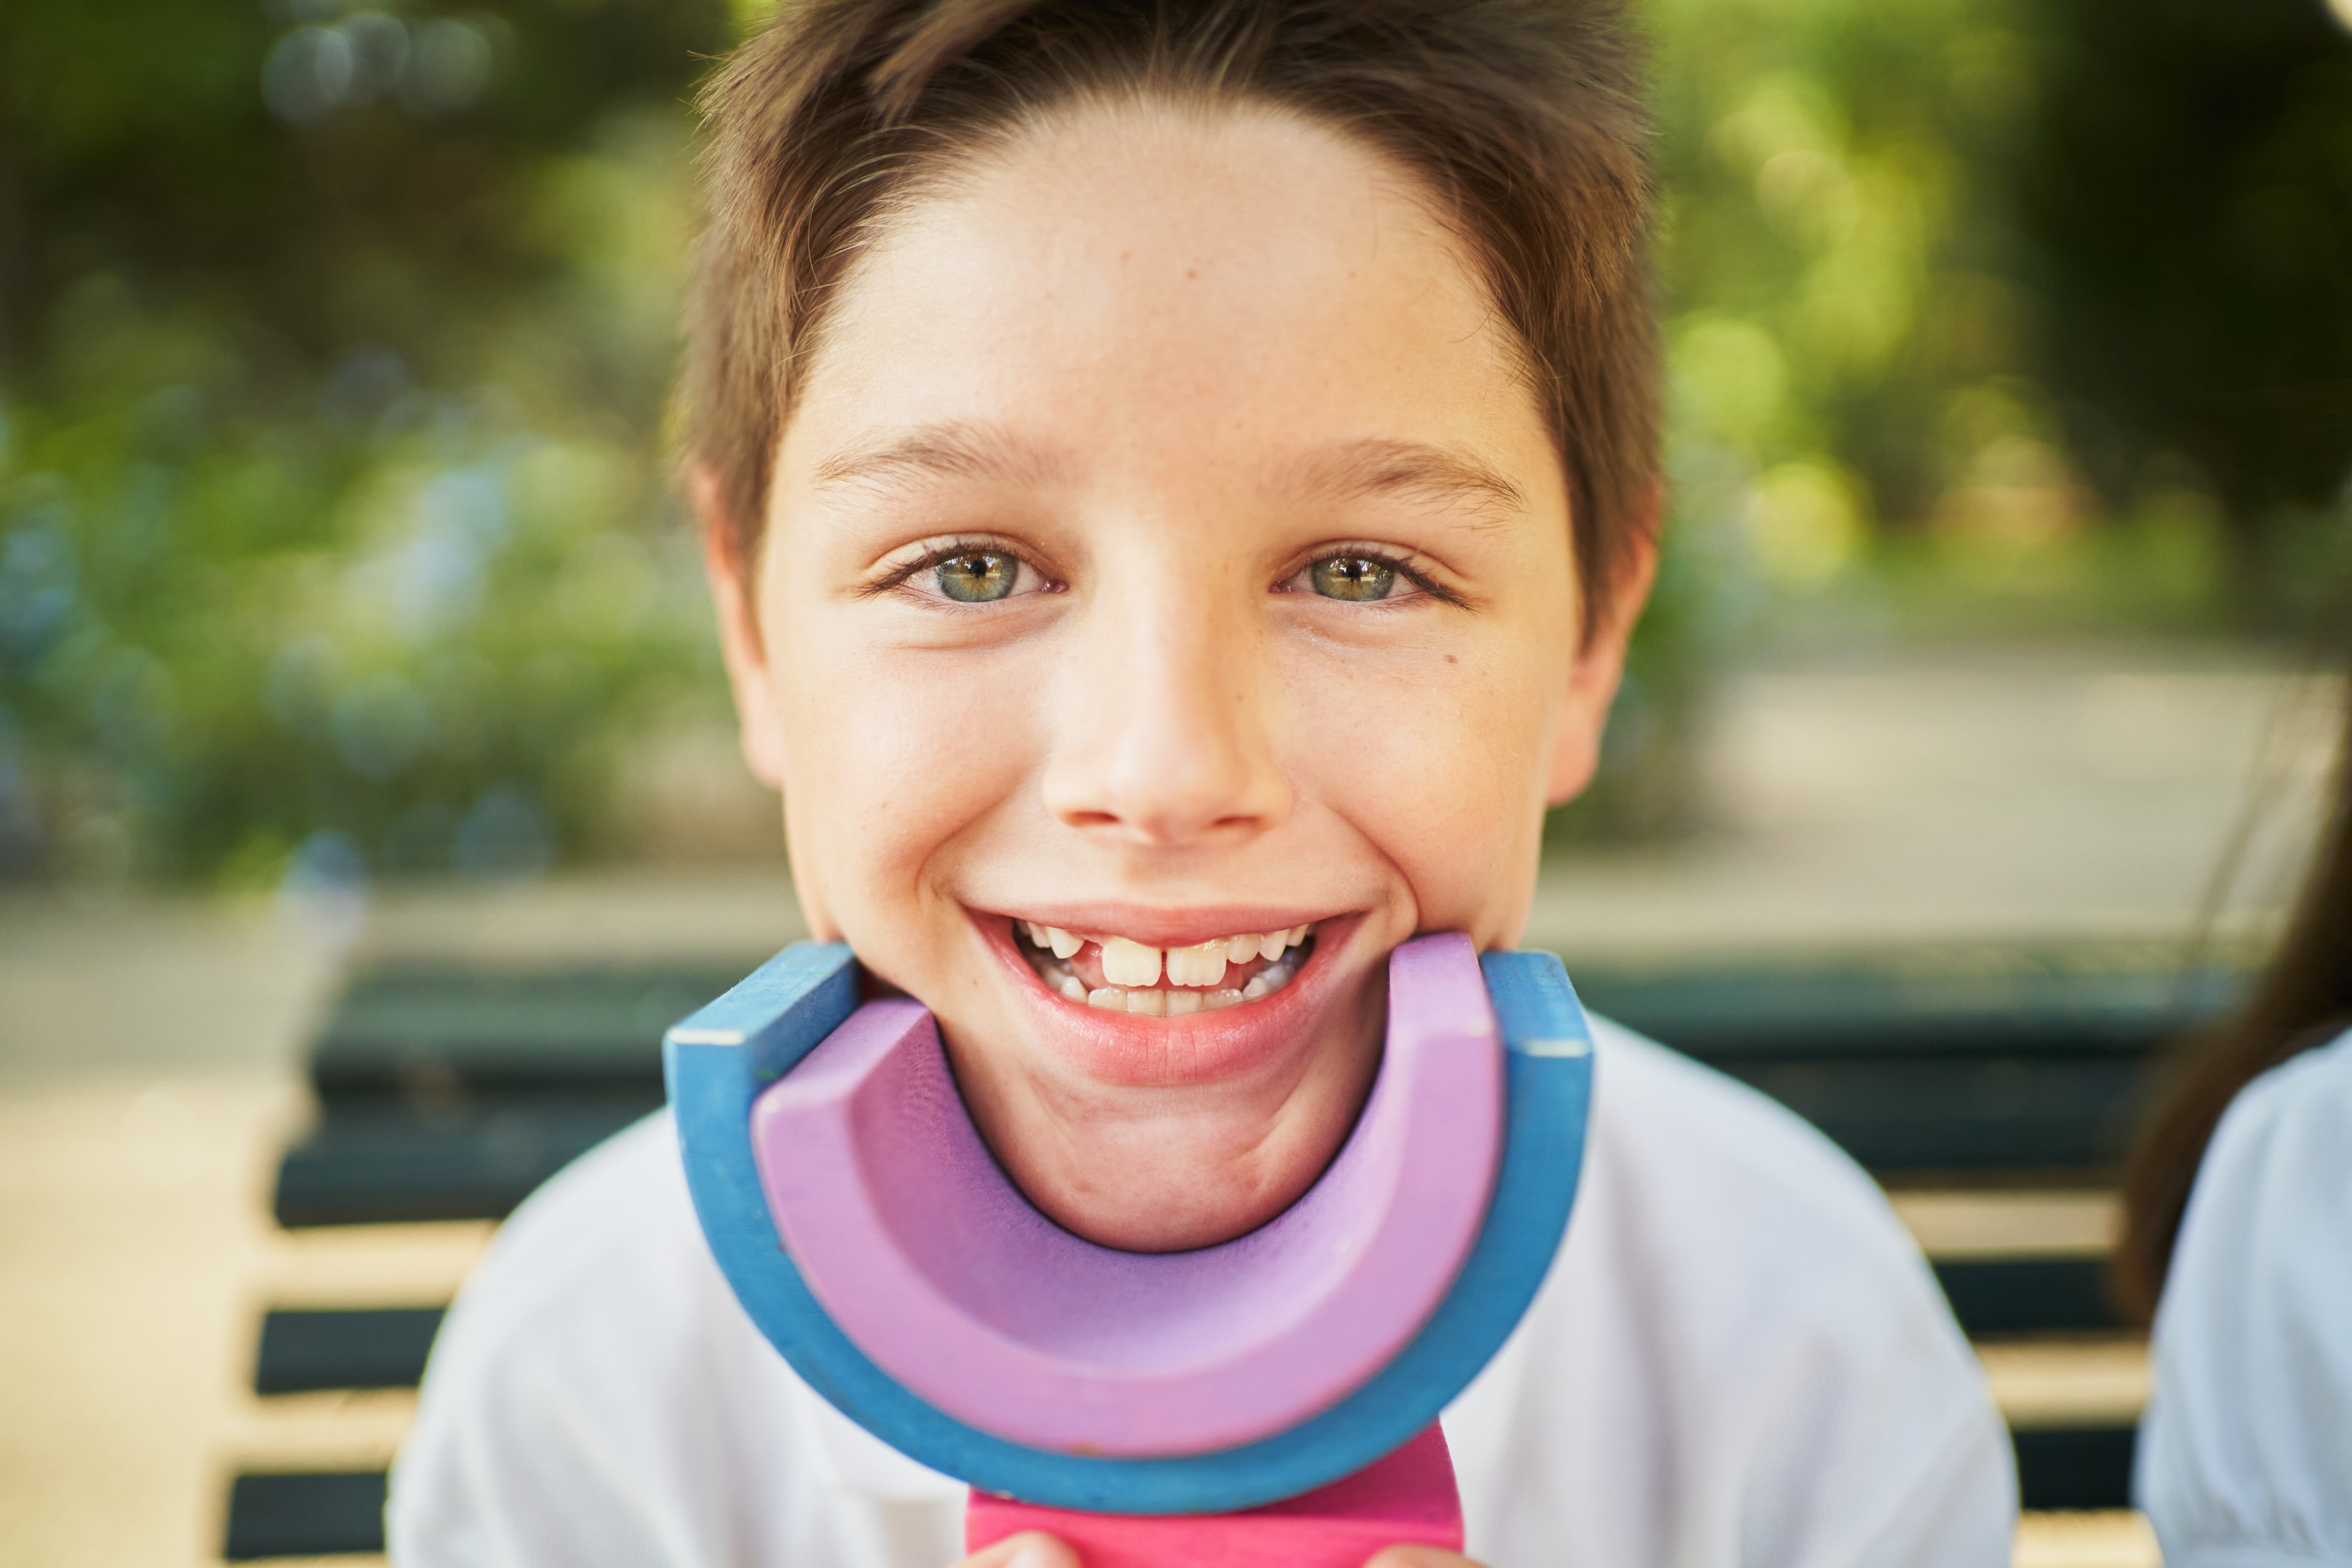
2188,183
336,176
1837,261
333,344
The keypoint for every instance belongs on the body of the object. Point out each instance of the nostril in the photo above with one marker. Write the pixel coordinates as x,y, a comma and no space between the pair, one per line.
1167,827
1159,795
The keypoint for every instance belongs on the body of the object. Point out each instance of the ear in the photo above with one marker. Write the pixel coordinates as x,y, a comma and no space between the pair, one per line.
733,574
1592,680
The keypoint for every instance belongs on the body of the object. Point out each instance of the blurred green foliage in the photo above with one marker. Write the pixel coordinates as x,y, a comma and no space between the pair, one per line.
334,343
1993,317
332,523
2188,191
1843,326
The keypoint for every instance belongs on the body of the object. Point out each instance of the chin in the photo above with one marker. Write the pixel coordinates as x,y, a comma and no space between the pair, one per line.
1156,1134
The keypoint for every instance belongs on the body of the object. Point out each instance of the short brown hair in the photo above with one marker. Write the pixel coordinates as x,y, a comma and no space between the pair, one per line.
1524,119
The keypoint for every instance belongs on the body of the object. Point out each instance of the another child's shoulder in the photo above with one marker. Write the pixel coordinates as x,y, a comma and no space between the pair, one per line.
2306,1099
2282,1156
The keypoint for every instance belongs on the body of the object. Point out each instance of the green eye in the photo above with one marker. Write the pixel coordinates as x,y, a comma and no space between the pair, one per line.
1354,577
977,578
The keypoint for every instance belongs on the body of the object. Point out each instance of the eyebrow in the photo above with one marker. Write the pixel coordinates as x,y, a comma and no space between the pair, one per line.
1377,468
1351,470
952,451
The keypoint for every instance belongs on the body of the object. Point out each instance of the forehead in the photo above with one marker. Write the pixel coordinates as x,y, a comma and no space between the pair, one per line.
1120,277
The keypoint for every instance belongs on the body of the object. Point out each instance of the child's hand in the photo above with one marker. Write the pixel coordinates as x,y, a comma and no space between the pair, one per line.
1030,1549
1418,1557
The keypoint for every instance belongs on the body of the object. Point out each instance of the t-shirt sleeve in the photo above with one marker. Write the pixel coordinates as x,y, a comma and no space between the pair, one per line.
1739,1359
596,1398
2246,1450
505,1469
556,1423
1871,1438
1889,1449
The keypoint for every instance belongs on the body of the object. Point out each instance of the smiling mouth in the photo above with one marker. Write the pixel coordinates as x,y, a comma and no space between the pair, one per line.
1118,976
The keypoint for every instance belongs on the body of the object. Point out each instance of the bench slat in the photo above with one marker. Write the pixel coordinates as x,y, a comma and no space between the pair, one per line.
434,1031
379,1162
307,1513
2074,1467
303,1351
2028,1295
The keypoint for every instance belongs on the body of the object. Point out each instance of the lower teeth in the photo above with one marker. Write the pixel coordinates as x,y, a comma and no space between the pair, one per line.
1172,1002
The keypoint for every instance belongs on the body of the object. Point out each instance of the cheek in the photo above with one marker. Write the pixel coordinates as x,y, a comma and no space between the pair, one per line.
1442,768
893,753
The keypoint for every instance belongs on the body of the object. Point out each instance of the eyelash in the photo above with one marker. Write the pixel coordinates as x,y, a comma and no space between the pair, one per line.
1399,562
898,577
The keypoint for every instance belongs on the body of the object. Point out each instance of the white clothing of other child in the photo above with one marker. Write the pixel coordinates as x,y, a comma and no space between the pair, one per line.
2245,1456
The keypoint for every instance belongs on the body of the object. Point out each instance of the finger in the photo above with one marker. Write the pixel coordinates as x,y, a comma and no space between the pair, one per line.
1420,1557
1030,1549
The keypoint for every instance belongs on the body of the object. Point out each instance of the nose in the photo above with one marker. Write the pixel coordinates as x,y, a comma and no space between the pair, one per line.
1162,734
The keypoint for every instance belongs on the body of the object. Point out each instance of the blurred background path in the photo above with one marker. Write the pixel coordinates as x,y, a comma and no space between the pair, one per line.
1993,793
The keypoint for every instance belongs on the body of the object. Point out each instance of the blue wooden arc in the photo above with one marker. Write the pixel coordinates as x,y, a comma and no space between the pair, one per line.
718,1061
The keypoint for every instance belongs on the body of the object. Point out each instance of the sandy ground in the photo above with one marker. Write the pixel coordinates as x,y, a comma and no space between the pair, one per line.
147,1081
149,1045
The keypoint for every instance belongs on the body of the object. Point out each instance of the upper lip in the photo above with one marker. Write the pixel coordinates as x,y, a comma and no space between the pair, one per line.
1165,928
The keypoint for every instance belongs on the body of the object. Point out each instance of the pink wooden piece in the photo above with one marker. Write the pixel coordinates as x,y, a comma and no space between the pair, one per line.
936,1267
1407,1499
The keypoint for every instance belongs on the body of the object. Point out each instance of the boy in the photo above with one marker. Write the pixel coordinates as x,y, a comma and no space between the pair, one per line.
1177,480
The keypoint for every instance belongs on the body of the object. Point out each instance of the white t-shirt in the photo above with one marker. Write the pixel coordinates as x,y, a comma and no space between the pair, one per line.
2245,1456
1737,1358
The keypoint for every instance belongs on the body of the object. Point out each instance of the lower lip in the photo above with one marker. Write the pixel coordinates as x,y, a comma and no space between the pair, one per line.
1136,1050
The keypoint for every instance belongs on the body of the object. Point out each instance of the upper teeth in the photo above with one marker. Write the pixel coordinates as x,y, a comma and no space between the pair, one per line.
1202,964
1125,963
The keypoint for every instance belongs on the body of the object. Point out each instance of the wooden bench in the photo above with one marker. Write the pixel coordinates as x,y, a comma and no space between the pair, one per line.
1995,1081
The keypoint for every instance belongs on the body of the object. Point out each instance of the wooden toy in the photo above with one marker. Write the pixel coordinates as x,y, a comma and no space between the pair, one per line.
1405,1500
1288,1381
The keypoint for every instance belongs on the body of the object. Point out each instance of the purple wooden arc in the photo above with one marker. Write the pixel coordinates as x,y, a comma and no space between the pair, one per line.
940,1271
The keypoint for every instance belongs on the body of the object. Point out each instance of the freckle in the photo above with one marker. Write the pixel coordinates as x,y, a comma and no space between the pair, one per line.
1191,272
1451,660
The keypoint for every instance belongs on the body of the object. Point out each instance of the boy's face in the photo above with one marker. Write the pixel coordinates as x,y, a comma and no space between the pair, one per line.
1165,546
